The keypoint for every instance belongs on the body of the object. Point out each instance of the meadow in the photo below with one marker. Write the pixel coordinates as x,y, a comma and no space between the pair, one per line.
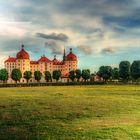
70,113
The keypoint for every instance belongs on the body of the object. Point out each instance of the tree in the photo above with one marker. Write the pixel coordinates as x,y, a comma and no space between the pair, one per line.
16,75
124,70
3,75
115,74
72,75
105,72
78,74
37,75
27,75
56,74
92,77
135,70
86,74
47,76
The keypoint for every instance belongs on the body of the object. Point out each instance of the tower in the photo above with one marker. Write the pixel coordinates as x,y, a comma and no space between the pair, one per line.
64,55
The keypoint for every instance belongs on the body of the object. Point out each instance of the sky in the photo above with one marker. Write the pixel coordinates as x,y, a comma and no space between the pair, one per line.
101,32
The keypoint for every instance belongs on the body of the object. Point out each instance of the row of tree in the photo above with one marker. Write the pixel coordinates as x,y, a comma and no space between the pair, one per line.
125,72
16,75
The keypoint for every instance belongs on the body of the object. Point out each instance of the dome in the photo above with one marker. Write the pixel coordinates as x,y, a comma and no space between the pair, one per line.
22,54
71,56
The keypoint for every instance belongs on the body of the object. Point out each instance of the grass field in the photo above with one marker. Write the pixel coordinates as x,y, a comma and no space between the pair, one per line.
73,113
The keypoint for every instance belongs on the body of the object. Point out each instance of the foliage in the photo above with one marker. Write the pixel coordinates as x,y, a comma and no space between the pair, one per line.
105,72
135,70
115,74
3,75
78,74
37,76
56,74
48,76
72,75
16,75
86,74
124,70
27,75
92,76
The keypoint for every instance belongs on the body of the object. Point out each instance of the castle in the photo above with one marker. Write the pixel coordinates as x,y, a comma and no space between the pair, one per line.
22,61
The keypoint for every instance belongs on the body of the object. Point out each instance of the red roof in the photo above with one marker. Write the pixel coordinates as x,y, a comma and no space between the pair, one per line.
34,62
56,62
71,57
44,59
22,54
11,59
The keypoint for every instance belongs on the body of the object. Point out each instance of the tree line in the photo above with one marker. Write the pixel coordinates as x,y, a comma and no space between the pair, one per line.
124,72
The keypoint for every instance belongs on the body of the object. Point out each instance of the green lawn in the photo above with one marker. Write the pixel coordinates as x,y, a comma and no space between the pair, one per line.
73,112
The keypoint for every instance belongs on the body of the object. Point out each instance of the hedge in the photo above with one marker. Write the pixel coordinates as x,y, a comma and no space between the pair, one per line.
50,84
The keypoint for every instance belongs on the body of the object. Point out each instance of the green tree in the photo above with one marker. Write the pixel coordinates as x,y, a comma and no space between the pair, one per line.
86,74
72,75
92,77
47,76
56,74
115,73
3,75
135,70
27,75
124,70
105,72
78,74
37,75
16,75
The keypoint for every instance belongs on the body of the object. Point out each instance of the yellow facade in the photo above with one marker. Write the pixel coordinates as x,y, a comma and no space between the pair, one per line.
23,62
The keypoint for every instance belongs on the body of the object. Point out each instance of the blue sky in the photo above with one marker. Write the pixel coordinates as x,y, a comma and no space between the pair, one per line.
102,32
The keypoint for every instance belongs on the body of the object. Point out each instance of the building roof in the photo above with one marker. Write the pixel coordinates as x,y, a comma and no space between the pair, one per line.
34,62
44,59
71,56
11,59
23,54
56,62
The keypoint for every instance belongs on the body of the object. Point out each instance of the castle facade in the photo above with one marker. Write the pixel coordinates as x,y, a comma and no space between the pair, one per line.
22,61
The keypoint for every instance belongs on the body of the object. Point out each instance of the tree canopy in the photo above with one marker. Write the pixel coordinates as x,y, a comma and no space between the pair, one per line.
124,70
3,75
56,74
86,74
135,70
48,76
16,75
37,76
72,75
105,72
27,75
78,74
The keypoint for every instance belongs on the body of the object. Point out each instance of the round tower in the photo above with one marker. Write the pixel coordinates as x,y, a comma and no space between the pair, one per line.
71,61
23,61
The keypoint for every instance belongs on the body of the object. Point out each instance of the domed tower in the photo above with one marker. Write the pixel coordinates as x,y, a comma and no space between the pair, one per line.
23,61
71,61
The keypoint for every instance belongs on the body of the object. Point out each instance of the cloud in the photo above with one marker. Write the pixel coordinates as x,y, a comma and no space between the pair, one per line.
54,36
55,47
108,50
85,49
94,27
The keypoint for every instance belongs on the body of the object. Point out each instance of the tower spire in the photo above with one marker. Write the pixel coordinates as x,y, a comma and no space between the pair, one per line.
22,46
64,55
